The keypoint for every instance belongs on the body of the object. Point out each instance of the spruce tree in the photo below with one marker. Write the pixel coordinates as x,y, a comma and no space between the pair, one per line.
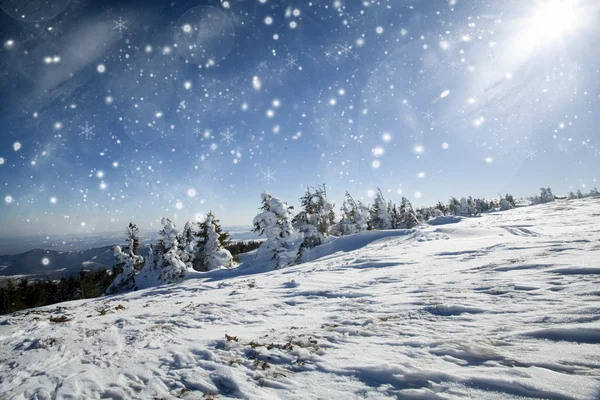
380,215
275,221
210,246
408,216
354,218
132,238
316,219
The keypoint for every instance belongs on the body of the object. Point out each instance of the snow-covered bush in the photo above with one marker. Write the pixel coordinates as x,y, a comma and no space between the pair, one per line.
380,214
275,222
126,262
210,252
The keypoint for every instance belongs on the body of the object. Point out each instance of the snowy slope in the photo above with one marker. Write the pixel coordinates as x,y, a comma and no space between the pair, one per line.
502,306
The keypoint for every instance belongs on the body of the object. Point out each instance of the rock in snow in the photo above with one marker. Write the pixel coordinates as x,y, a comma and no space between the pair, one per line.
497,307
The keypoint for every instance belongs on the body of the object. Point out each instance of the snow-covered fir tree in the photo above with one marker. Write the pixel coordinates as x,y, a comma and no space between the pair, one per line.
594,193
467,207
505,205
275,222
380,216
545,196
126,262
210,246
454,207
169,260
132,238
315,220
354,218
133,245
408,217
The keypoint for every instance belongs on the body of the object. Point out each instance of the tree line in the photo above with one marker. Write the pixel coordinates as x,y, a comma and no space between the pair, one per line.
203,245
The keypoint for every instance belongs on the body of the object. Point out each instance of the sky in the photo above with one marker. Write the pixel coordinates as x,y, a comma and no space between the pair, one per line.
118,111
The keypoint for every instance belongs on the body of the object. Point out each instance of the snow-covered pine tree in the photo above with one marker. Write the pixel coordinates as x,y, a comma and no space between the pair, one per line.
396,218
354,218
132,238
511,200
505,205
210,247
316,218
464,208
408,217
170,266
126,262
275,221
571,195
482,205
546,196
380,215
579,194
133,245
441,207
454,207
594,193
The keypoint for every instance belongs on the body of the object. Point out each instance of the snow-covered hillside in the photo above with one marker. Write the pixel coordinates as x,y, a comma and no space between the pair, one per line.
502,306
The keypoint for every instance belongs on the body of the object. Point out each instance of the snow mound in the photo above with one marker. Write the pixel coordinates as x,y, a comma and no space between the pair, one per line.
445,220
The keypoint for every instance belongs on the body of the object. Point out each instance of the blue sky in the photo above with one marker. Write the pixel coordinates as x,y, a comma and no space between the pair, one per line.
198,106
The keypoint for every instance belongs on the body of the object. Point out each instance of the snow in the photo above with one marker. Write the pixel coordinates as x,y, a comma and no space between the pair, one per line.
501,306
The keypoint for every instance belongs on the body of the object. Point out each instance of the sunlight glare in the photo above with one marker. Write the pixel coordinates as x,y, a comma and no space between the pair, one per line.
553,19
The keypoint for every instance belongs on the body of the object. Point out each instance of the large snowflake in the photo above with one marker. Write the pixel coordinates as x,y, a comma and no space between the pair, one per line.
120,25
228,136
87,130
268,175
291,61
197,131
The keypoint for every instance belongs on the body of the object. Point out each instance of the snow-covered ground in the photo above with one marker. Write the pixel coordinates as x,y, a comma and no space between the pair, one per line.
502,306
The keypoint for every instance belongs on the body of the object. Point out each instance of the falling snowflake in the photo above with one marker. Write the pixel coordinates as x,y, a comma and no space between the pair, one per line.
427,116
87,130
107,11
531,154
227,136
120,25
268,175
453,65
291,61
327,54
346,49
196,131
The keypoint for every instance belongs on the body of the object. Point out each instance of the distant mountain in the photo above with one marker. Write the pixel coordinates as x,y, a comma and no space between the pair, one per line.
69,243
51,264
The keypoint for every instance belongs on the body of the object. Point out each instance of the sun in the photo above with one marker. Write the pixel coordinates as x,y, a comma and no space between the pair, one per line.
554,19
